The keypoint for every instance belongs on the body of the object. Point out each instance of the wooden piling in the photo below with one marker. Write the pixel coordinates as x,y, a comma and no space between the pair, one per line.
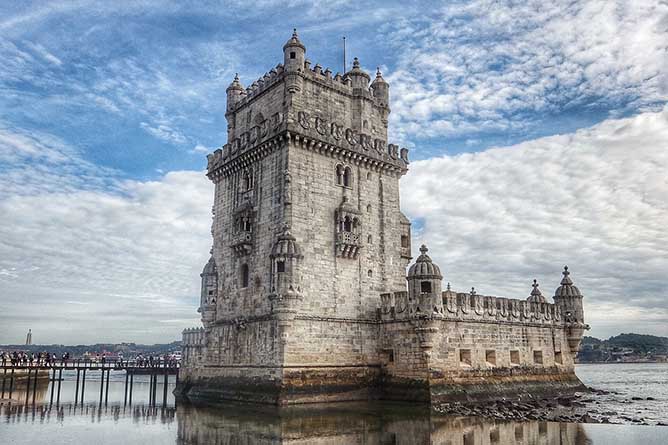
11,383
28,386
155,387
83,385
4,377
164,389
125,397
106,391
101,385
53,386
76,389
132,376
60,379
34,386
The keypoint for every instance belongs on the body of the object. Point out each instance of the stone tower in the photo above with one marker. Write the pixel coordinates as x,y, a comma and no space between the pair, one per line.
306,296
307,229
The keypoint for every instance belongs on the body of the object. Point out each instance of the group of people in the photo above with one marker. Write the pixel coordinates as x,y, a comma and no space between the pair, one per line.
168,360
22,358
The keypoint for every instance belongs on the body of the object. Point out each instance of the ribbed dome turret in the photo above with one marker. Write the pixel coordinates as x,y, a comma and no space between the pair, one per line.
379,79
424,268
357,71
235,85
210,268
294,41
536,296
286,246
567,289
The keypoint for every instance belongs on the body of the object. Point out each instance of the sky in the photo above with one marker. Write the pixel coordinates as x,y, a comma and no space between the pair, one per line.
538,134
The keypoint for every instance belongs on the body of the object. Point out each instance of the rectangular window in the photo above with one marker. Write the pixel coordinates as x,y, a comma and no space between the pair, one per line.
538,357
280,266
391,358
465,357
514,357
404,241
490,357
425,287
469,438
293,55
519,433
558,358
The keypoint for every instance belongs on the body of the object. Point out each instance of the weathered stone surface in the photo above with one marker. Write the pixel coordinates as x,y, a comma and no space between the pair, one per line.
305,297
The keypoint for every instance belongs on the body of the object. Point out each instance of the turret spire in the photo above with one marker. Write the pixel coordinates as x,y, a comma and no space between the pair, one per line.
536,296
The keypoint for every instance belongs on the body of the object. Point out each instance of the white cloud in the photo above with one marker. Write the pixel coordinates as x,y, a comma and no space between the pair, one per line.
88,263
199,148
165,133
594,199
487,65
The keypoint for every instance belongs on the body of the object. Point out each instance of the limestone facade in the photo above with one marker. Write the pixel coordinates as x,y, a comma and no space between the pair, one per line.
305,297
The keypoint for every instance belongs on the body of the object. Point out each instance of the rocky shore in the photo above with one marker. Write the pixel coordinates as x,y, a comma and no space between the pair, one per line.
579,407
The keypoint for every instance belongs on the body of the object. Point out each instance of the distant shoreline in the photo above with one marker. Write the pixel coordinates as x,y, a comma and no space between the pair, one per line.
634,362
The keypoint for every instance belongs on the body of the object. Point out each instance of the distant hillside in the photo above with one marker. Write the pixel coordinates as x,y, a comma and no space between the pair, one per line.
624,348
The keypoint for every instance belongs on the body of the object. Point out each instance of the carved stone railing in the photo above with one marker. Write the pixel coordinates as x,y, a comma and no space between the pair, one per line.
467,307
242,242
348,244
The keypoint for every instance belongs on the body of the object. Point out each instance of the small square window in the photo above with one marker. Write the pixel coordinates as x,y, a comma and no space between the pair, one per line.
425,287
538,357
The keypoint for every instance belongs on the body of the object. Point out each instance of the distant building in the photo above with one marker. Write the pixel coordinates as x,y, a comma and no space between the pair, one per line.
29,338
306,297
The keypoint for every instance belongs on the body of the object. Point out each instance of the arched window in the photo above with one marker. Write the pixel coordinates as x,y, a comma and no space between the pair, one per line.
368,208
369,273
369,239
339,174
244,275
356,224
248,181
347,224
347,177
368,176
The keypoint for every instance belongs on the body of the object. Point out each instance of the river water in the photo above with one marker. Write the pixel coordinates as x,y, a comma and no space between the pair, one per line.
119,422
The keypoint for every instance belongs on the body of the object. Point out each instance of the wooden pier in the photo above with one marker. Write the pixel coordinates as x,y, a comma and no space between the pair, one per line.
13,375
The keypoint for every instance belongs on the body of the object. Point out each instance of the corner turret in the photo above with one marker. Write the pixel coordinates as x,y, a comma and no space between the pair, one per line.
235,92
294,53
358,77
381,89
424,286
568,297
209,294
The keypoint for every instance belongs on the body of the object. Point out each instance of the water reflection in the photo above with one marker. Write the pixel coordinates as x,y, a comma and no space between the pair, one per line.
360,424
